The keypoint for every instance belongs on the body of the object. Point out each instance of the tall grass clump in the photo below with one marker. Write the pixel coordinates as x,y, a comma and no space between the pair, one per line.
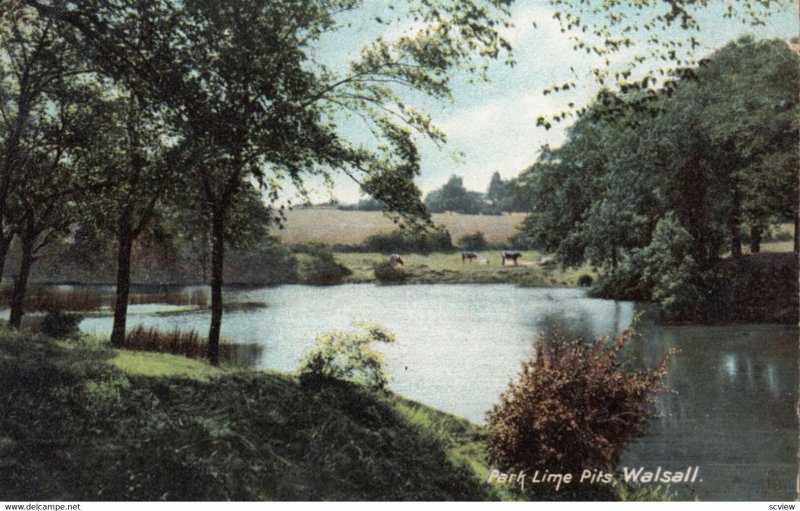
189,344
574,406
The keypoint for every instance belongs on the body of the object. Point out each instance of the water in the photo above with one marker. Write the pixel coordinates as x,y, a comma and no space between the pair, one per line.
731,411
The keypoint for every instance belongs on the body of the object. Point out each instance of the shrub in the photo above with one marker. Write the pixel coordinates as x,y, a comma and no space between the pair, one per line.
346,355
585,280
573,407
474,241
419,242
388,274
321,269
61,324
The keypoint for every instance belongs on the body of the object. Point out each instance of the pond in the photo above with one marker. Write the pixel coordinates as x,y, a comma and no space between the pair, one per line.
733,388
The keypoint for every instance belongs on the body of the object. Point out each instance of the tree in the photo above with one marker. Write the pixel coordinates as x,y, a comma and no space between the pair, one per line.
693,158
48,185
249,99
134,159
454,197
645,29
33,57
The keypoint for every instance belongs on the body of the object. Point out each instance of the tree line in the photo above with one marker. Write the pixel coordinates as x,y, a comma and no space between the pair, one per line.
655,193
117,112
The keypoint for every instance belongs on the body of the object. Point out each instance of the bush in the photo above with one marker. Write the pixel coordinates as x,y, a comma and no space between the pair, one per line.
388,274
346,355
418,242
573,407
321,269
61,324
585,280
475,241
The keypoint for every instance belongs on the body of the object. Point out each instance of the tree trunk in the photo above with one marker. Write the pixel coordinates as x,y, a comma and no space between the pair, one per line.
21,282
125,245
5,243
217,260
755,239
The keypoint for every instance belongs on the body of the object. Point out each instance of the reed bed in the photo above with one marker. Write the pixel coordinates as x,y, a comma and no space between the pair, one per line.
55,299
189,344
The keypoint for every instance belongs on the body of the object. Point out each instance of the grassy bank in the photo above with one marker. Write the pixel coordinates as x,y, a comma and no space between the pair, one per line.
83,422
441,268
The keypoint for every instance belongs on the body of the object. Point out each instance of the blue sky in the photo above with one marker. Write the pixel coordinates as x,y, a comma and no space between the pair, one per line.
491,126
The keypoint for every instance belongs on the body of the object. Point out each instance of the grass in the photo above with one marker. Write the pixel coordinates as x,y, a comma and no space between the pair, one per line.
85,422
331,226
449,269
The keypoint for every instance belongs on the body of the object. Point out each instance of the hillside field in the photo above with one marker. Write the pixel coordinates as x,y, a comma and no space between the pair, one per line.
333,226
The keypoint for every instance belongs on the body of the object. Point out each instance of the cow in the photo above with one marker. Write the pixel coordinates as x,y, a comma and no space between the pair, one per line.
395,260
508,255
469,256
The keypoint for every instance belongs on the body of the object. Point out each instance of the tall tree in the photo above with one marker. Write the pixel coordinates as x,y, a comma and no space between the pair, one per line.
47,186
33,58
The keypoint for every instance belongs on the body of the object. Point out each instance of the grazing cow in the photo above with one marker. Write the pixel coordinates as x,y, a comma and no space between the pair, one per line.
468,256
506,255
395,260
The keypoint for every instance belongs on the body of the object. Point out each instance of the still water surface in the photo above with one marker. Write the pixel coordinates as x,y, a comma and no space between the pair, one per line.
734,388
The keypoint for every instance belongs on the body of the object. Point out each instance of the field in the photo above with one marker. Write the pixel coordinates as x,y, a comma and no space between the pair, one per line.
332,226
449,269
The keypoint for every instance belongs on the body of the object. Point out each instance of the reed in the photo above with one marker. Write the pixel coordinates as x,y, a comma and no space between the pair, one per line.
189,344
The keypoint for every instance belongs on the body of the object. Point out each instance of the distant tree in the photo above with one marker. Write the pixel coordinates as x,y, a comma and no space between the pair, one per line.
453,196
474,241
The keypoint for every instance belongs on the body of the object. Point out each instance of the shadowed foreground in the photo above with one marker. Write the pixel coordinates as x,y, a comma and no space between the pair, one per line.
83,422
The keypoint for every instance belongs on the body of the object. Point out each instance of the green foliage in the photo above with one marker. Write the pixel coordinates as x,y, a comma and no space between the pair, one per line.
320,268
575,405
454,197
347,355
415,241
385,273
692,157
475,241
671,270
61,324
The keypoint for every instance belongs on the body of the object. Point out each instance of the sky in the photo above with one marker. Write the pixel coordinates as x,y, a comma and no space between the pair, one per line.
491,126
